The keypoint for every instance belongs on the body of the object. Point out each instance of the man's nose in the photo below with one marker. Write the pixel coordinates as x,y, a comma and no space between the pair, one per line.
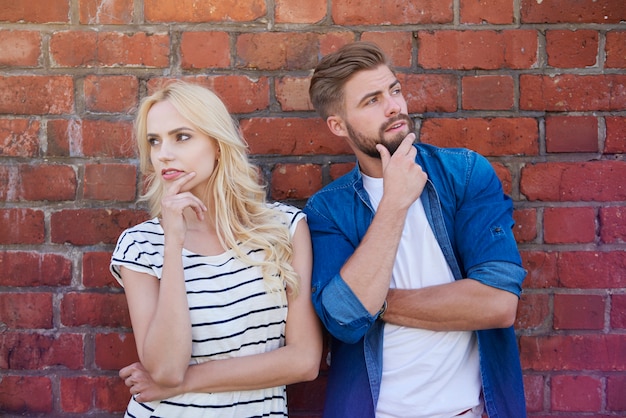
393,106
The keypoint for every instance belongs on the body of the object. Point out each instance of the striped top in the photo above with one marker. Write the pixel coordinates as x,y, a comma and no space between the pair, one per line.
231,313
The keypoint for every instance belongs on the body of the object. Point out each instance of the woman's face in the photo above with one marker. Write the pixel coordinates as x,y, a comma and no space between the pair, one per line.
177,147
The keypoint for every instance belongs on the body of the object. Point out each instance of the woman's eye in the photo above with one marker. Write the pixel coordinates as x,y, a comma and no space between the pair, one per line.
153,141
183,137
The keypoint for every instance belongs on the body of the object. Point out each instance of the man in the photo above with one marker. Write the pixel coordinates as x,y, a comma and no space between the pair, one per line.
416,271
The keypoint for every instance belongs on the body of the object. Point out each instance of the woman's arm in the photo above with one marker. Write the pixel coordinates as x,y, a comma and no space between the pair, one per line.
297,361
159,310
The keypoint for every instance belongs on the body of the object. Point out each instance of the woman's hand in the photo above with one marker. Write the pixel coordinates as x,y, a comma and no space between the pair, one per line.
143,387
173,205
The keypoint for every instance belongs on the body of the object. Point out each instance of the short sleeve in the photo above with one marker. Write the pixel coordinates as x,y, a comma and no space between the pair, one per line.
137,252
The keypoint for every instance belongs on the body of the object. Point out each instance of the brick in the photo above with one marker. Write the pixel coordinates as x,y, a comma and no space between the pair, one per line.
22,226
618,311
22,351
94,309
598,352
534,388
533,312
36,95
47,182
95,272
19,137
295,181
115,350
595,181
30,11
101,138
467,50
525,228
339,169
25,394
308,396
394,12
283,136
572,49
109,12
115,182
494,12
111,94
77,393
615,390
569,225
84,393
592,270
277,51
487,136
299,11
190,11
397,46
613,224
293,93
572,92
111,395
91,138
20,48
488,92
575,393
21,269
542,269
26,310
504,174
571,134
109,49
429,92
579,312
334,40
615,49
205,50
92,226
240,94
599,11
615,141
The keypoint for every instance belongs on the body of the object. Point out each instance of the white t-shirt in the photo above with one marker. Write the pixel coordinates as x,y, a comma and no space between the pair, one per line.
426,374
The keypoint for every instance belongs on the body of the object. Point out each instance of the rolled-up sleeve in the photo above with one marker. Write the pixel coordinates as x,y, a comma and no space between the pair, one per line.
341,312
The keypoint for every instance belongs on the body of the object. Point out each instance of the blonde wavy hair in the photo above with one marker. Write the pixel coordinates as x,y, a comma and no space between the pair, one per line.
241,214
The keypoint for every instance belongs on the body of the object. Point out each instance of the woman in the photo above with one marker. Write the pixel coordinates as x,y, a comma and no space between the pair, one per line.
218,281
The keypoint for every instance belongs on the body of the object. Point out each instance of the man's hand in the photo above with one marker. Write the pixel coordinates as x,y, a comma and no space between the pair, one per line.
403,179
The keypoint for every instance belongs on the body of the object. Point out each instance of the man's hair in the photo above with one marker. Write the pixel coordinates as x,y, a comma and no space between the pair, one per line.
335,69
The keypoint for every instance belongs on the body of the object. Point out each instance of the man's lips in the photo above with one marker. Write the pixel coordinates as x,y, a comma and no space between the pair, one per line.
395,126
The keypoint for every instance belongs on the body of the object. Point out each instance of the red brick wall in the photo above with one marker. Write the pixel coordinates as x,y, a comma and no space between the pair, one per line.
539,87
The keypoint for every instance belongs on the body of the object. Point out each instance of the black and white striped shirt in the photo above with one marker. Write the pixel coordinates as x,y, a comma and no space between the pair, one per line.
232,315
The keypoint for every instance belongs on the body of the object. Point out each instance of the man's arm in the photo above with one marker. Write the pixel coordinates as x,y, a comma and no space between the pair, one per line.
463,305
368,271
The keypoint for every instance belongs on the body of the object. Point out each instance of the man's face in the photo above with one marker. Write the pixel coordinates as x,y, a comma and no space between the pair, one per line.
375,111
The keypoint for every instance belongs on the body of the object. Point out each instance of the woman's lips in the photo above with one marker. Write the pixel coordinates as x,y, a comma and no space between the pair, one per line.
171,174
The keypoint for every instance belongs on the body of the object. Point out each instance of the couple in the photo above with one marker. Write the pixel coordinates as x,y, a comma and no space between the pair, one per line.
408,260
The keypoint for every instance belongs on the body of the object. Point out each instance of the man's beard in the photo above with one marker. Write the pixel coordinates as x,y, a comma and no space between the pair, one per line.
367,144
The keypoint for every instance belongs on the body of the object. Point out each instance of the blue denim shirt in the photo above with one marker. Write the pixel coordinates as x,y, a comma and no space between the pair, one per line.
472,220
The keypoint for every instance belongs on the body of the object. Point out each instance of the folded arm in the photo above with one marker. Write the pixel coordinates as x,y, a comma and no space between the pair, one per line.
298,360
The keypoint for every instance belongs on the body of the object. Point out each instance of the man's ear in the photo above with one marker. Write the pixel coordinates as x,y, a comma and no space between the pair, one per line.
336,125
